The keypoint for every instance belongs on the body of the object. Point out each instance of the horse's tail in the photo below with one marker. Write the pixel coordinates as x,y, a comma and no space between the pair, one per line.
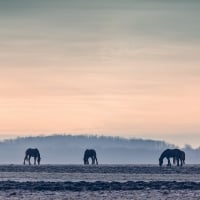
95,157
96,160
38,156
183,157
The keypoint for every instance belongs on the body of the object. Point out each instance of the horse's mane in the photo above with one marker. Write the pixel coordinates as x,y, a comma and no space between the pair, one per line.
163,154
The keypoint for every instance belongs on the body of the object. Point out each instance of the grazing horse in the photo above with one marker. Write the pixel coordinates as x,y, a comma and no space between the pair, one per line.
32,153
90,153
176,154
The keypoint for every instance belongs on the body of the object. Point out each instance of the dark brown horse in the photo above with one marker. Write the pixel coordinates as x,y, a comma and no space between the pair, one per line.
90,153
32,153
176,154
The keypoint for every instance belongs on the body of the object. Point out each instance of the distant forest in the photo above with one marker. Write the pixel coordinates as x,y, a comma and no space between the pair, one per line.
68,149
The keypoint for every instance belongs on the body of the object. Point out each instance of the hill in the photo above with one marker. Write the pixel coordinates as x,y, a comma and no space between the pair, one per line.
68,149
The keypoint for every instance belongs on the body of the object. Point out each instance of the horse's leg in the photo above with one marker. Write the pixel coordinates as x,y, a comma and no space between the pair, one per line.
181,162
93,160
25,158
38,162
169,163
34,160
177,161
29,160
96,160
174,160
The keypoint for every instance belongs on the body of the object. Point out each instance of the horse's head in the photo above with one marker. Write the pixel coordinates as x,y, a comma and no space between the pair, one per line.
160,162
85,160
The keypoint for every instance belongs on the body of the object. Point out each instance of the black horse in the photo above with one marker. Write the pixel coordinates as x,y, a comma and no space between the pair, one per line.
176,154
32,153
90,153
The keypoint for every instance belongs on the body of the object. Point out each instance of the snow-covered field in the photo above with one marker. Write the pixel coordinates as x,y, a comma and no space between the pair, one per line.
99,182
100,195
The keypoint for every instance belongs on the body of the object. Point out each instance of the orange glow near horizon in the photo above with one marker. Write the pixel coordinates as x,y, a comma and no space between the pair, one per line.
103,103
101,67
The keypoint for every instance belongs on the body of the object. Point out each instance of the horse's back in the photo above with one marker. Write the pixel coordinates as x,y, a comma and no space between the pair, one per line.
92,152
31,151
89,153
171,153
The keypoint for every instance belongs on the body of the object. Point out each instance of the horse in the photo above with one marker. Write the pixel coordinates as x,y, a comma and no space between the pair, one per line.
182,158
90,153
32,153
176,154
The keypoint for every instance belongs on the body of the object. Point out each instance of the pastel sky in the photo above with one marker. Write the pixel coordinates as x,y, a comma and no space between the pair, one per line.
129,68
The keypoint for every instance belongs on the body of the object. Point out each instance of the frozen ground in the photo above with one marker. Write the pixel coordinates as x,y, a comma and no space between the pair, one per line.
99,182
101,195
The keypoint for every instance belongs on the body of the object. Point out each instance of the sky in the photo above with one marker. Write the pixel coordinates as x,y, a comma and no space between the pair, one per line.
112,67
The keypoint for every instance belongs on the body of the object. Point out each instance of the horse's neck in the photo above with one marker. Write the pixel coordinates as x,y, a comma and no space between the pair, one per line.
163,155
